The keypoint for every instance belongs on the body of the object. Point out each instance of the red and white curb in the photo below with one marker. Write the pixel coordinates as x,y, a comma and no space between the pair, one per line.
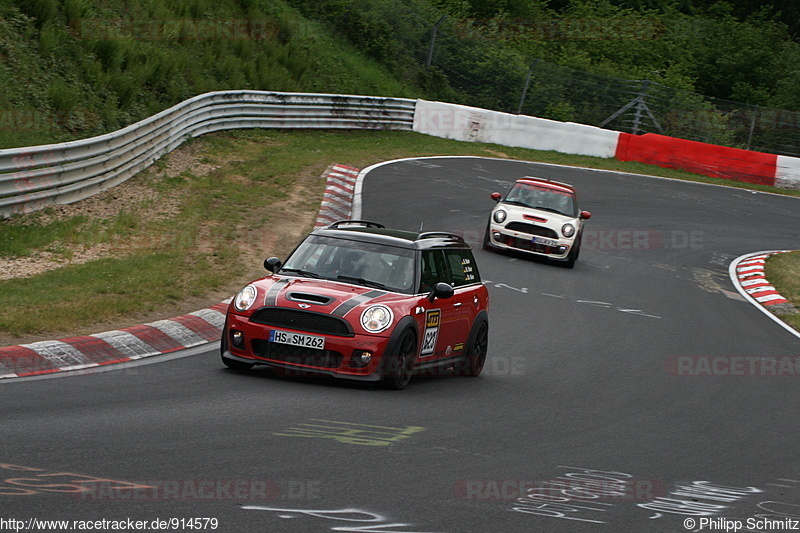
751,277
117,346
747,274
337,201
161,337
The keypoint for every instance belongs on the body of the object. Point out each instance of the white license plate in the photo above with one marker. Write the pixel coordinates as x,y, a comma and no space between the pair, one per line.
297,339
545,242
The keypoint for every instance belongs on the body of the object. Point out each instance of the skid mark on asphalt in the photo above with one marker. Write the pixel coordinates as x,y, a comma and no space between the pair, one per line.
712,281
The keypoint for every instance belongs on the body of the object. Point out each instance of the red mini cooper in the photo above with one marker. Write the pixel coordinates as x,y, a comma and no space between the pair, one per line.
358,301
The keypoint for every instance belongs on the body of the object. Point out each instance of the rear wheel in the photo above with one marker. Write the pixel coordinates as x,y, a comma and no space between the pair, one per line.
399,367
475,359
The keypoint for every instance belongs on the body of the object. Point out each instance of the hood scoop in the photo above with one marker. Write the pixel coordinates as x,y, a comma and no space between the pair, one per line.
534,218
305,297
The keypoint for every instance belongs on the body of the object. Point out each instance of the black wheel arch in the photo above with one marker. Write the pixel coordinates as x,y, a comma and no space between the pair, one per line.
223,339
405,323
481,317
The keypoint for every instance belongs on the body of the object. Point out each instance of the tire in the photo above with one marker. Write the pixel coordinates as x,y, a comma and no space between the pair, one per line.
573,255
486,243
475,359
231,363
236,365
399,367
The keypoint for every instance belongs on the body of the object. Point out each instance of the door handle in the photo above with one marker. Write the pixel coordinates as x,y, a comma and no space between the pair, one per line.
457,304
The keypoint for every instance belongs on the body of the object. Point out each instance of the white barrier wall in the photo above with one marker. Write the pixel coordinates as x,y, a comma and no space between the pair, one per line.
466,123
787,172
34,177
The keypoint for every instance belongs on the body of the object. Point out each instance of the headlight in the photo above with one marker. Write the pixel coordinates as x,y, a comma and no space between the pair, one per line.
499,216
568,230
376,318
245,298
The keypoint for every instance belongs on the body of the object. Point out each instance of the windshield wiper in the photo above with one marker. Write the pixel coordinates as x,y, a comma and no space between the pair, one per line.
362,281
515,202
301,272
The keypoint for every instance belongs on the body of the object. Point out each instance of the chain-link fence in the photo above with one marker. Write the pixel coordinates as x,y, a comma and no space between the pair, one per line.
453,67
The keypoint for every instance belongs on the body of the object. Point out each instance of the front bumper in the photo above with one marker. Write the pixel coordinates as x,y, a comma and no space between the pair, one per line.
501,238
338,359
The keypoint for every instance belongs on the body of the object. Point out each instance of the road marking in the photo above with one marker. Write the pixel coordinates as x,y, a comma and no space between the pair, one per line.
351,433
605,305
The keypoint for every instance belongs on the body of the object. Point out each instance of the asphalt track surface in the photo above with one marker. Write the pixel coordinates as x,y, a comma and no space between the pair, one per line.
635,392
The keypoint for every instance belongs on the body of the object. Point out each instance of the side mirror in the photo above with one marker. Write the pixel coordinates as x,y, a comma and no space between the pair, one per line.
586,215
273,264
441,290
496,196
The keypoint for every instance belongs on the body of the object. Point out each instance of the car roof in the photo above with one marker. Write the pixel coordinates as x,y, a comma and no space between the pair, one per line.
550,184
373,232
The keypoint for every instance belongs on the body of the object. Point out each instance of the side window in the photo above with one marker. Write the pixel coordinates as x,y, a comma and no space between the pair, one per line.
463,270
434,270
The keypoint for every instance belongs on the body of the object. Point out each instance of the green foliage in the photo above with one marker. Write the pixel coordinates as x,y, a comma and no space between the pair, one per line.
487,53
76,68
561,111
84,67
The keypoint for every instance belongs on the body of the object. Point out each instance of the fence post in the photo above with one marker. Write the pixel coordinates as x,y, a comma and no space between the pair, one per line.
752,127
433,41
525,87
637,115
641,106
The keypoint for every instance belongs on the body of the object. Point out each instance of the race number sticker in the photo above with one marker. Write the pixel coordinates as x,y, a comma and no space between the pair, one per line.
432,320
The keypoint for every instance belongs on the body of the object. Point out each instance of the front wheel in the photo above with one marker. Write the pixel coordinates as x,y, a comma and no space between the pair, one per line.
231,363
573,254
236,365
399,367
487,245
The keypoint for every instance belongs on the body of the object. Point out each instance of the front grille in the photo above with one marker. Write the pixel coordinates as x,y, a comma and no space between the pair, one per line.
296,319
532,229
297,354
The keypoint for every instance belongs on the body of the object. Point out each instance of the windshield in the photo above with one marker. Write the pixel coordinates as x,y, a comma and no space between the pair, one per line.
368,264
545,198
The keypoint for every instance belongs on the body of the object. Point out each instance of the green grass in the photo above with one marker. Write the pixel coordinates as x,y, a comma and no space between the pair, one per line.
102,290
222,225
783,272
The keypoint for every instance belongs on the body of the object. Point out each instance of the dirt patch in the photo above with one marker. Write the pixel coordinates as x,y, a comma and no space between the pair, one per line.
501,155
290,219
40,262
137,194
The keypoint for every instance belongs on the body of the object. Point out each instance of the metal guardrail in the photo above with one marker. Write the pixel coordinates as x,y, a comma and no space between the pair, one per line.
35,177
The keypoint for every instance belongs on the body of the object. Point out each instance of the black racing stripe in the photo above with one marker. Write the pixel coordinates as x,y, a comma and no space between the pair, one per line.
272,294
348,305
